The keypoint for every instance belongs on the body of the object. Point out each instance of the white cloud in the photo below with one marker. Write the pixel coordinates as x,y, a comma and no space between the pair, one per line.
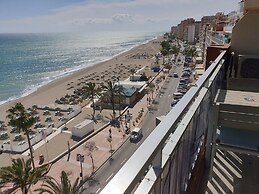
121,18
118,14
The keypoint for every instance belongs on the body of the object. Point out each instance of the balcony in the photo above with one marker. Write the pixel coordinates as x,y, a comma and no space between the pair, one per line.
217,38
209,143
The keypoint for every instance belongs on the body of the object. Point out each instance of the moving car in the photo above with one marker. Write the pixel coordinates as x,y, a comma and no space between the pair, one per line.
136,134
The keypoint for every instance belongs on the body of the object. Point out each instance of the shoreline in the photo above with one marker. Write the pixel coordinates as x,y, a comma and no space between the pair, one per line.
56,87
47,94
31,89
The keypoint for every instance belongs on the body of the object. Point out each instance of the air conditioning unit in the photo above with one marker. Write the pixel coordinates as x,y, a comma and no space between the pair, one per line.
248,66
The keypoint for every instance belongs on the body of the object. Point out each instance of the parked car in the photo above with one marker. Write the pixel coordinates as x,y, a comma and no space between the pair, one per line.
183,90
175,75
185,78
174,102
188,59
187,69
183,81
178,95
185,75
182,85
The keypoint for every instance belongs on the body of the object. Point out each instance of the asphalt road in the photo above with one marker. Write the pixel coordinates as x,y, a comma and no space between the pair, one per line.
111,167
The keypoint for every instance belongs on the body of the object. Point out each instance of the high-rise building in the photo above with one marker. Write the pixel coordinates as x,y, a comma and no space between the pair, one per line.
182,27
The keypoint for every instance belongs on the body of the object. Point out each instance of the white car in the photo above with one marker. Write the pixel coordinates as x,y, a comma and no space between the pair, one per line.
136,134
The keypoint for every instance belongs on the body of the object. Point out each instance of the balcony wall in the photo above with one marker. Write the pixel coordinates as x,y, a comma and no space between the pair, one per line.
166,159
245,35
251,5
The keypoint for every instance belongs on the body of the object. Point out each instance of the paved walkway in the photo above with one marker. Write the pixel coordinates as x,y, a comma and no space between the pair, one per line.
41,143
103,146
102,152
232,173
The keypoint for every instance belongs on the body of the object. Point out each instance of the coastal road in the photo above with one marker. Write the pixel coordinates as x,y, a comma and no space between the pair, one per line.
112,166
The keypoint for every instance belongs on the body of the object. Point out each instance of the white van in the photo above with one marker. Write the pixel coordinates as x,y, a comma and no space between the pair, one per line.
136,134
178,95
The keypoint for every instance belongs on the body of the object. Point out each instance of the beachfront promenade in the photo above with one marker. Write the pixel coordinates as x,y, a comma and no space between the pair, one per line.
102,153
55,147
51,147
67,91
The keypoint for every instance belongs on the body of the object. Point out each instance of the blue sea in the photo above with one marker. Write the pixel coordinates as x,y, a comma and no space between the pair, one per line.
28,61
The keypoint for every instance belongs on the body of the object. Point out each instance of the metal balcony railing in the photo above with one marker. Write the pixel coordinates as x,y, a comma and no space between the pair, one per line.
165,160
217,40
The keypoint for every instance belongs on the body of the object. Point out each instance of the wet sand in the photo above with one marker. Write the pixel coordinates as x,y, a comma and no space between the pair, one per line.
136,58
140,57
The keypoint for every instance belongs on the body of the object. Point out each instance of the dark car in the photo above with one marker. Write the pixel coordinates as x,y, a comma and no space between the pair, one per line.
174,102
175,74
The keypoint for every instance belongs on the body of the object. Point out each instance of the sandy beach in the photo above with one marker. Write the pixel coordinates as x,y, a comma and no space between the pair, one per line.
140,57
117,66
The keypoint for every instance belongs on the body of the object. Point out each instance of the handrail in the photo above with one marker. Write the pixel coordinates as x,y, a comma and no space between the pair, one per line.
132,171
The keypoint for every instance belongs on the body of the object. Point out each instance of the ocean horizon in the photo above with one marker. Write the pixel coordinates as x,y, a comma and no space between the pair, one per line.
29,61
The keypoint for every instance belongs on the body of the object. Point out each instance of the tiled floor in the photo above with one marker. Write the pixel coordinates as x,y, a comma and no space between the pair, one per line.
232,173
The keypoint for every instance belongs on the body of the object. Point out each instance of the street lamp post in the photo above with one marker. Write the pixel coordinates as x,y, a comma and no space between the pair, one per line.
92,163
118,79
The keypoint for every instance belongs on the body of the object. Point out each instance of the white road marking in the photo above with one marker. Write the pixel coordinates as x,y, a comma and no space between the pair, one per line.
148,129
98,190
123,161
109,177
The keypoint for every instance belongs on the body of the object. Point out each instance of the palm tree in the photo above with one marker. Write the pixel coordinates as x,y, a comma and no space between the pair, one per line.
151,86
52,186
112,90
20,118
168,67
21,174
191,52
120,96
132,72
157,59
174,50
91,91
164,53
90,147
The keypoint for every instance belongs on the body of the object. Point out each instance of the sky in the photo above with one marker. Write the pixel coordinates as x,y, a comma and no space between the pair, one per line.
30,16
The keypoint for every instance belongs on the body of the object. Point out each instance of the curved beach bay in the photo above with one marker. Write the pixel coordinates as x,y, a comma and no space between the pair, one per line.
139,57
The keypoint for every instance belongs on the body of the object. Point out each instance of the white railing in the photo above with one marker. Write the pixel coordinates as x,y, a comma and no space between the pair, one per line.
164,161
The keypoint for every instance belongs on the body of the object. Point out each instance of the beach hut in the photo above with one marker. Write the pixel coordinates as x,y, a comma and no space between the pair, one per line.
83,129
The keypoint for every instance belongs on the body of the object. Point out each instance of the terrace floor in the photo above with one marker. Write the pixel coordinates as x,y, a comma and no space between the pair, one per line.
232,173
